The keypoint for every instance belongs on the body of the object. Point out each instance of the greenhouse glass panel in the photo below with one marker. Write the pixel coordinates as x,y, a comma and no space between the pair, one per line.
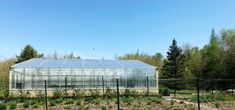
79,73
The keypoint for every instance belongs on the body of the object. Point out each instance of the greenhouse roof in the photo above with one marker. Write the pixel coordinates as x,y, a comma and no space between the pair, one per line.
81,63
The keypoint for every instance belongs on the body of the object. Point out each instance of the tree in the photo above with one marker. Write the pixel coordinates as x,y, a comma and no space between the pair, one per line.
27,53
228,44
174,63
156,60
4,71
212,55
71,56
55,55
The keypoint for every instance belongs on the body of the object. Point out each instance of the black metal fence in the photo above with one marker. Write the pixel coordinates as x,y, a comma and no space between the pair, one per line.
194,89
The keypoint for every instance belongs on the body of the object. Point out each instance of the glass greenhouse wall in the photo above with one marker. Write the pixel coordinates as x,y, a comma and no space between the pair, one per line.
31,74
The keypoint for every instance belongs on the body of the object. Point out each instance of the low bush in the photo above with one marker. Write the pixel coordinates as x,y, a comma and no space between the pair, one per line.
78,93
12,105
94,93
33,102
69,102
58,101
97,101
26,104
79,102
166,92
3,105
57,94
109,93
52,103
6,93
103,108
39,94
35,106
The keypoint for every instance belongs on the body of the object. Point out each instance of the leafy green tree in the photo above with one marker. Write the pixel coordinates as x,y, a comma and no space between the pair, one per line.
228,44
174,63
71,56
212,55
27,53
156,60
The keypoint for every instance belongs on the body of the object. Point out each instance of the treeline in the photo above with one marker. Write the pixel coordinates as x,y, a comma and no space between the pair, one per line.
214,60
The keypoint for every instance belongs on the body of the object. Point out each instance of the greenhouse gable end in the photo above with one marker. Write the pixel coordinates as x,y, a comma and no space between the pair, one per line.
79,73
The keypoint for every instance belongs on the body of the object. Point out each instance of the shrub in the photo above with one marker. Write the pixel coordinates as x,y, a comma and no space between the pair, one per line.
156,100
6,93
110,93
12,105
52,103
23,95
69,102
166,92
33,102
97,101
3,105
26,104
78,93
172,102
35,106
57,94
39,94
58,101
94,93
79,102
217,104
65,94
104,108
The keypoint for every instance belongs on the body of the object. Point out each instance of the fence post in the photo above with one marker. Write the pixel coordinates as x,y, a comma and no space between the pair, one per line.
103,84
147,85
198,94
46,94
118,95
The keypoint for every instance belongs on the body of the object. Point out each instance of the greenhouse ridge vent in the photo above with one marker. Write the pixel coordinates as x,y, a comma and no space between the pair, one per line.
82,73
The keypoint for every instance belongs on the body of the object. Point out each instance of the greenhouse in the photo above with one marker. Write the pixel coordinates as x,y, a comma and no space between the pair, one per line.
79,73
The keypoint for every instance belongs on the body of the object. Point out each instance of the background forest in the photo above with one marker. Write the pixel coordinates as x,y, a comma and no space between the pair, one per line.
214,60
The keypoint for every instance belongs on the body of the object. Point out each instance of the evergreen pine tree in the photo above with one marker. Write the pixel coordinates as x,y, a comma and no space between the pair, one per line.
27,53
174,63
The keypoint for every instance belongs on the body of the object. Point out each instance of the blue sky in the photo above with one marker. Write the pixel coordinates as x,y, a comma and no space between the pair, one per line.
110,26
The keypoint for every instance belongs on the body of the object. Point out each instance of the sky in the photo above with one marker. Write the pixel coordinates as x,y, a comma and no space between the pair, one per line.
96,29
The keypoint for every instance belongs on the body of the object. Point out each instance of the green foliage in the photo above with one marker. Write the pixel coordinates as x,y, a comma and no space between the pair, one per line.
27,53
79,102
26,104
57,94
103,108
33,102
110,93
156,60
12,105
69,102
35,106
52,103
174,64
217,104
71,56
94,93
78,93
23,95
39,94
3,105
6,93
